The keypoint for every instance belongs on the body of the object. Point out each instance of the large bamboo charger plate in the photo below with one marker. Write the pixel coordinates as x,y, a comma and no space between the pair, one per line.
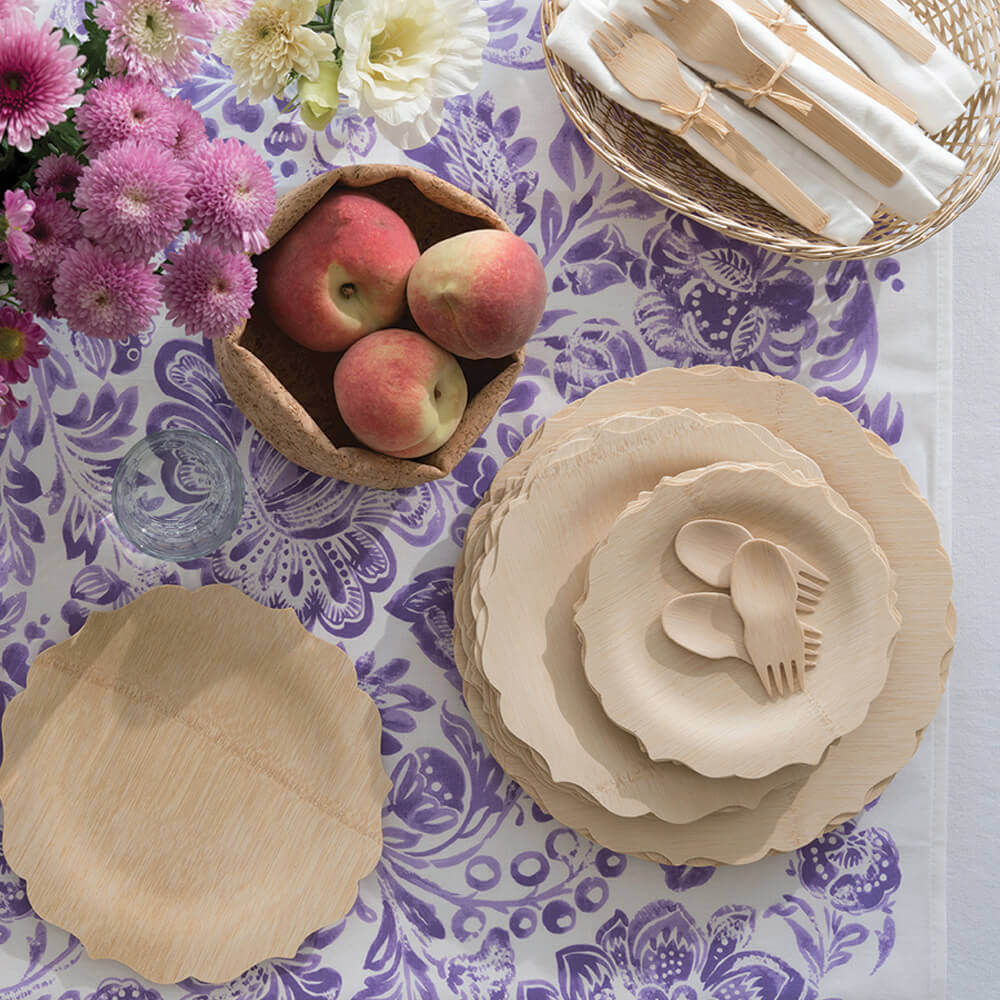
192,784
286,391
715,716
665,167
855,771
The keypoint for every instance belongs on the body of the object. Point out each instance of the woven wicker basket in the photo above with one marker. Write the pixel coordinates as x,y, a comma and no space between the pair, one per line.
666,168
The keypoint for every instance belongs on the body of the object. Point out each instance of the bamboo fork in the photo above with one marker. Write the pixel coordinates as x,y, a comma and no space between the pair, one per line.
764,593
794,36
897,29
649,70
709,33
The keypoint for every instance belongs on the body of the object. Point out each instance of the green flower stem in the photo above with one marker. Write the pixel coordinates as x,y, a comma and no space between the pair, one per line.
323,22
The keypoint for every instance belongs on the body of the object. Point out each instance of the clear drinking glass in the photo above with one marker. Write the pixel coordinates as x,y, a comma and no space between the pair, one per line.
178,494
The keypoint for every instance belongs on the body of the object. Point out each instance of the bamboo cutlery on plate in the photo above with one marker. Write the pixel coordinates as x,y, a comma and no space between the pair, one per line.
770,587
570,582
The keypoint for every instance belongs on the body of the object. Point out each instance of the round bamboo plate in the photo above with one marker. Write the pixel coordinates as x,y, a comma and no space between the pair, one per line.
666,168
192,784
856,771
715,716
545,700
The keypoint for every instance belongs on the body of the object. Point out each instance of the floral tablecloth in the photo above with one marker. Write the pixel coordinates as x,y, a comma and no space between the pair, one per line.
480,895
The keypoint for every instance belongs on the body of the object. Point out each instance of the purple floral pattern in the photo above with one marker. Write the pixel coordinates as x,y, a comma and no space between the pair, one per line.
855,870
480,895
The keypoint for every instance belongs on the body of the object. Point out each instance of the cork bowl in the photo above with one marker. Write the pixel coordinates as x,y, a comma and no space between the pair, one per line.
286,390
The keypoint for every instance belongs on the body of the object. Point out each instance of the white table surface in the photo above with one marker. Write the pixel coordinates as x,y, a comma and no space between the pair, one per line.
974,779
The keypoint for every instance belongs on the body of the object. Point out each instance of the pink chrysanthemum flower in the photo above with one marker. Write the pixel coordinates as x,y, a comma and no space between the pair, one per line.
56,228
21,346
120,108
9,406
232,196
189,138
104,294
8,8
15,227
38,80
36,288
208,291
134,198
160,40
58,174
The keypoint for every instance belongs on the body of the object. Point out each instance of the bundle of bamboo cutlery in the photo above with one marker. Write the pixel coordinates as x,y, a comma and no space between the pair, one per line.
702,615
815,125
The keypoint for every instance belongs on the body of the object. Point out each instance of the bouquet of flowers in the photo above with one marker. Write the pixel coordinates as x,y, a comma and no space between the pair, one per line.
115,200
395,60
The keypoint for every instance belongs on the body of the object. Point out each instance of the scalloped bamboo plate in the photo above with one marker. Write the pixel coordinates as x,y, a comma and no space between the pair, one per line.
715,716
192,784
544,697
858,769
469,612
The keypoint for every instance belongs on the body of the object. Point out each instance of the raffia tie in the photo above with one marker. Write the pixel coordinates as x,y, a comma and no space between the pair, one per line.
754,94
695,114
780,20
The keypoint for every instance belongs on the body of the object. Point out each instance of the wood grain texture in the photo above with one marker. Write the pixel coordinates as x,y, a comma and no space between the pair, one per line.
707,623
862,468
897,29
709,34
717,718
707,547
765,595
565,509
192,784
740,793
827,57
286,390
648,68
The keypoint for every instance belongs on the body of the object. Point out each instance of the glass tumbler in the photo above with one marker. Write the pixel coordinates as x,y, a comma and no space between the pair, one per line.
177,494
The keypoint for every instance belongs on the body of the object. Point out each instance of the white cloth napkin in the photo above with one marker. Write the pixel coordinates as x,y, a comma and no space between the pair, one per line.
928,169
936,90
850,209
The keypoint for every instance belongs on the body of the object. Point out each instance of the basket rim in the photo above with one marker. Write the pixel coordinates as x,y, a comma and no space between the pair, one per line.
969,187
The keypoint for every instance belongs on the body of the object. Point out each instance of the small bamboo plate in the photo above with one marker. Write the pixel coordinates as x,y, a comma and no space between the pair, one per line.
857,769
715,716
192,784
564,510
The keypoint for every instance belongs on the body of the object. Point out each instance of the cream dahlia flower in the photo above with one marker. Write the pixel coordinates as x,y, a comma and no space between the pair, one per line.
402,59
271,42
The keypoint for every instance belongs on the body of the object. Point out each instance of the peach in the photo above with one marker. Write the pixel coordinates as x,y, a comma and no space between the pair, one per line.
340,273
479,295
399,393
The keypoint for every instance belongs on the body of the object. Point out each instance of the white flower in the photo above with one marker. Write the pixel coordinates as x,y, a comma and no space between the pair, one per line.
270,43
402,59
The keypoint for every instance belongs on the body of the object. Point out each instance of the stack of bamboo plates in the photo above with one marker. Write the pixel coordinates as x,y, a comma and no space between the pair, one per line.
617,731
